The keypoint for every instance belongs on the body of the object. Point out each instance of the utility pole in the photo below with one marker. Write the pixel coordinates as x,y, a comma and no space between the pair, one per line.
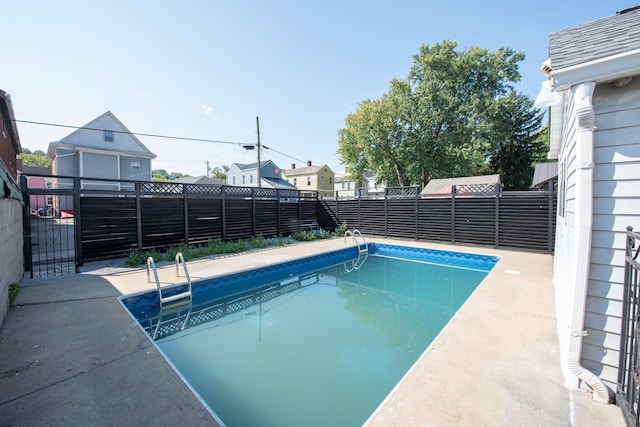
258,168
208,168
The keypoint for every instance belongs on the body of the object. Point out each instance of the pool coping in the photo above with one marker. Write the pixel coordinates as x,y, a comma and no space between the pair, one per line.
459,380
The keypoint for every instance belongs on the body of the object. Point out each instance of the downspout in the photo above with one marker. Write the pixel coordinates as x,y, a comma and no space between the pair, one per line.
581,257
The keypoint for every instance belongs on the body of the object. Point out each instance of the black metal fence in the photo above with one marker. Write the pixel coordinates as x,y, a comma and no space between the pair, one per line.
70,220
522,220
628,389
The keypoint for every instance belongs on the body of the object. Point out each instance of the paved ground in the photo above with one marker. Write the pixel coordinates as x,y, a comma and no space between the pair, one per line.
71,355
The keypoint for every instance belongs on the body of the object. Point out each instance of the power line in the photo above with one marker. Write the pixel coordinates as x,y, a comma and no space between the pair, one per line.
182,138
130,133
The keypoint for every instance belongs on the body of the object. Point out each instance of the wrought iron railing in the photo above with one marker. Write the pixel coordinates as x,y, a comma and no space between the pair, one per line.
628,390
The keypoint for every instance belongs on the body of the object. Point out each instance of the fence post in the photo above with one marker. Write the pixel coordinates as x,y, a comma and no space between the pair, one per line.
359,203
26,226
416,210
253,211
386,194
300,210
496,242
138,216
223,194
279,207
185,199
77,223
453,214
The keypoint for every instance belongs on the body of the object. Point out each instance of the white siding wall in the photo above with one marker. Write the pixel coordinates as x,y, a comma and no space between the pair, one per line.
616,205
565,225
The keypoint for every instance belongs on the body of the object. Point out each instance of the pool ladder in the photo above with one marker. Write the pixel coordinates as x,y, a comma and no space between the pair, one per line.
151,265
363,249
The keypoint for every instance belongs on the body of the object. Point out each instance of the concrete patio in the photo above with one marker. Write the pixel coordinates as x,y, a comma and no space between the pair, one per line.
71,355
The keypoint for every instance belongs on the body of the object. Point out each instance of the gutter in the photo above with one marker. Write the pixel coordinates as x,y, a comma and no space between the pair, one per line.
581,254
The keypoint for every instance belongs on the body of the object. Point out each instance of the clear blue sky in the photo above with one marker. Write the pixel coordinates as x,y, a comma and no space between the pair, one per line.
207,68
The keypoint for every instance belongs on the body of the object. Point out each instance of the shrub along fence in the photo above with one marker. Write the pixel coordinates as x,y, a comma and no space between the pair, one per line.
522,219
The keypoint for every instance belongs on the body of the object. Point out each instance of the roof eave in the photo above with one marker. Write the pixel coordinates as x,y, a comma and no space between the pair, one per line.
600,70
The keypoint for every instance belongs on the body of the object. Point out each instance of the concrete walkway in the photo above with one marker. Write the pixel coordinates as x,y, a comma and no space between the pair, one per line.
71,355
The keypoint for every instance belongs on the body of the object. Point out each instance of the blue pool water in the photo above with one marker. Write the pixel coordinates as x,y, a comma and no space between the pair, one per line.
314,341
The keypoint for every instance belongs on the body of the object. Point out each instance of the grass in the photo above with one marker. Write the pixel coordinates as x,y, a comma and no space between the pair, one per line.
138,257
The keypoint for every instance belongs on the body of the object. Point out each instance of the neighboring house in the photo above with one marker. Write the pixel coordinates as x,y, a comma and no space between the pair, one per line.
311,178
345,186
593,93
9,139
103,148
545,176
464,184
246,175
203,180
11,235
40,201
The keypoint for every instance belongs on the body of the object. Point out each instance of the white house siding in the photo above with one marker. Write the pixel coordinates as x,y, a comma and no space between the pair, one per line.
565,225
616,205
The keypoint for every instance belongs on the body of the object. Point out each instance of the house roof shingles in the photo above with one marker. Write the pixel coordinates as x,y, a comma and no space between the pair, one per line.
595,40
483,181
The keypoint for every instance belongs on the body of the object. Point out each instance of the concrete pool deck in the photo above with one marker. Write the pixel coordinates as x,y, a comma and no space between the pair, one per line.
71,355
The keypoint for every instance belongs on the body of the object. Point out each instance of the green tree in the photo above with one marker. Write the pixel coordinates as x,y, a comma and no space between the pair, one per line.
519,141
37,159
220,172
436,122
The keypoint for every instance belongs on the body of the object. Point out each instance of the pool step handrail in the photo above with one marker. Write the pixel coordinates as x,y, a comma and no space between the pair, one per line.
151,266
355,233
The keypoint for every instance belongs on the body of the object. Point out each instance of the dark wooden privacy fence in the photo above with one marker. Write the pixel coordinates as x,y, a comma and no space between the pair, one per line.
167,214
89,219
111,217
523,220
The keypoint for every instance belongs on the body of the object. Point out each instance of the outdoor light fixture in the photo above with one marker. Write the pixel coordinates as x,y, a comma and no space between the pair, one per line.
546,97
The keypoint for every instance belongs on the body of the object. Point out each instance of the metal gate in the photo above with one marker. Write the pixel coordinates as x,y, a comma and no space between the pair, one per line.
49,228
628,390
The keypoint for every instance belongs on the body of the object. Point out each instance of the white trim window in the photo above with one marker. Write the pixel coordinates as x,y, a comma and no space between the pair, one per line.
108,136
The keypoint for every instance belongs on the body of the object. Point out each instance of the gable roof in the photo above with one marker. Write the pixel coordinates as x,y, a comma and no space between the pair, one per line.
85,137
305,170
544,172
595,40
198,180
482,183
278,183
254,166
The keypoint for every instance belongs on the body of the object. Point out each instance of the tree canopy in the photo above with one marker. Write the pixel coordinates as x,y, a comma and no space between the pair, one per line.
220,172
518,142
437,122
37,159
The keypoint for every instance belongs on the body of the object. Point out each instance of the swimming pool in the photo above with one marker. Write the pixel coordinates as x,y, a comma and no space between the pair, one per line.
312,341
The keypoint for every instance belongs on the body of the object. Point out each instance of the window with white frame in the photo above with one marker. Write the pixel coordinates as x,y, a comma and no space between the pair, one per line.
108,136
308,180
135,166
322,180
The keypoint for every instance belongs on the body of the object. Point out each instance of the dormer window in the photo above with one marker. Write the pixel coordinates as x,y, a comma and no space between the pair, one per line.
108,136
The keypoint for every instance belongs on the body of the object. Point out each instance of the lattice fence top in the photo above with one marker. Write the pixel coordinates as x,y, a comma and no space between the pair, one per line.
161,187
212,190
402,191
476,188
